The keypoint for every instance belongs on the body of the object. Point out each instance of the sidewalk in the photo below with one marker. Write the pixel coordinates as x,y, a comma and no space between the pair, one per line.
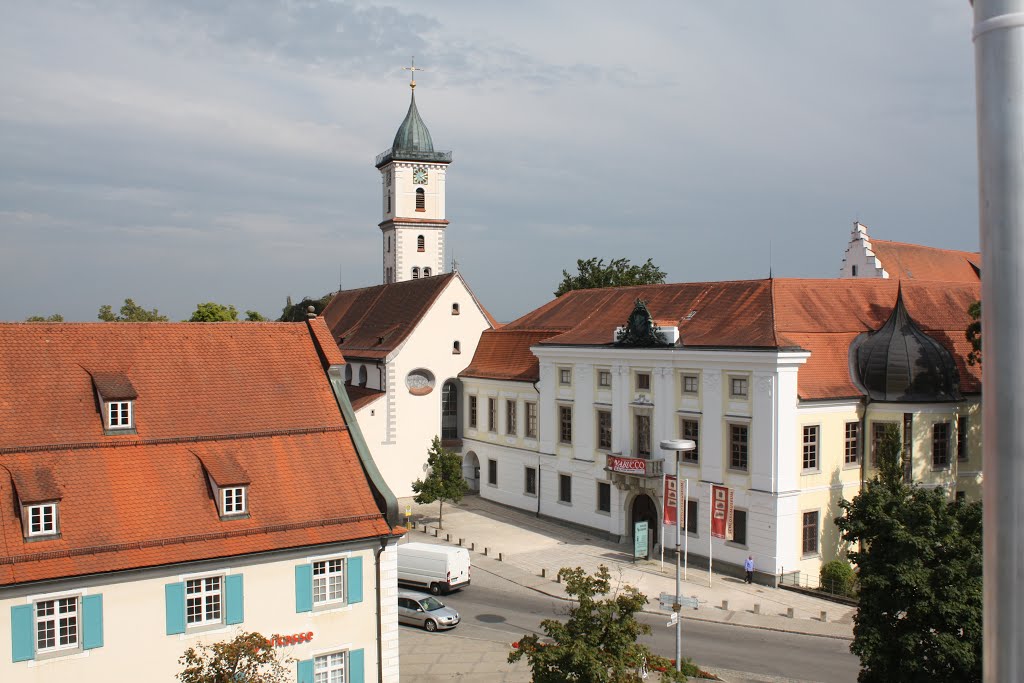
527,545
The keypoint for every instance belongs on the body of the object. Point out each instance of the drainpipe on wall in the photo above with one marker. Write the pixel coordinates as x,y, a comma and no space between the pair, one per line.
380,637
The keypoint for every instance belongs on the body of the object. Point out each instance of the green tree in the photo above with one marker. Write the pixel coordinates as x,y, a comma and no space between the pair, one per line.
598,641
254,317
973,333
249,657
919,566
296,313
211,312
444,479
55,318
130,313
593,273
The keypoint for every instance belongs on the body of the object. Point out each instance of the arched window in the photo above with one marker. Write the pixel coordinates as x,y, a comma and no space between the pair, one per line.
855,271
389,244
348,374
421,199
455,309
389,202
362,376
415,273
426,272
450,411
421,244
456,347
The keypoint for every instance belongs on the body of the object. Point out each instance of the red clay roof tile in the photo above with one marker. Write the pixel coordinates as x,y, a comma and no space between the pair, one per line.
917,262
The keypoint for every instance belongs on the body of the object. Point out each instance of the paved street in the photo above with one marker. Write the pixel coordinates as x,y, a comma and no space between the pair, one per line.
505,602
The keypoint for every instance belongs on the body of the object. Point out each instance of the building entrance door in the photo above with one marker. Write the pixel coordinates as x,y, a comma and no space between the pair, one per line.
644,509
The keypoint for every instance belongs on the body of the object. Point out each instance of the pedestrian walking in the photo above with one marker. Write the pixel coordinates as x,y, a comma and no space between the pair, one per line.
749,567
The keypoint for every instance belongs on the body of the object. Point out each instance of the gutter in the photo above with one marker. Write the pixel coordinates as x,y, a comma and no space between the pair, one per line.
380,636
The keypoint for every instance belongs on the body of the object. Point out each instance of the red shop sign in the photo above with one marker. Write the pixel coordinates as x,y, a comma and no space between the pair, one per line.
294,639
627,465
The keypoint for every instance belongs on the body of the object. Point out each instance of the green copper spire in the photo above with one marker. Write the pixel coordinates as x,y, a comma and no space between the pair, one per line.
412,141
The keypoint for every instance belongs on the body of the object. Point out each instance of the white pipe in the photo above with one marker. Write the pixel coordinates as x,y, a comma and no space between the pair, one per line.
999,79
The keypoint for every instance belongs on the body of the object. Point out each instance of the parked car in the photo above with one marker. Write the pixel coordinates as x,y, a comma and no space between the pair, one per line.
437,568
420,609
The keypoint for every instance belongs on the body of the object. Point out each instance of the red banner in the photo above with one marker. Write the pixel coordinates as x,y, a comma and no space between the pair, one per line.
671,500
721,512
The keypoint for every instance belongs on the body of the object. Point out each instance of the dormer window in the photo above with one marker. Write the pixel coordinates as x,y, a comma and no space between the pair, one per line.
232,501
41,519
119,415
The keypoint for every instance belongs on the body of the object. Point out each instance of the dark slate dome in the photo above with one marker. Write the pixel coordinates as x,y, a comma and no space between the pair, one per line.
899,363
412,136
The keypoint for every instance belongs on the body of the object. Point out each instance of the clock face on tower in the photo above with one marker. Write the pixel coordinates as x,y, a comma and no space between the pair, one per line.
419,176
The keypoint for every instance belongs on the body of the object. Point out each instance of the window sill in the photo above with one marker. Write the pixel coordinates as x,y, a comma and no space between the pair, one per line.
690,463
851,466
330,608
49,655
529,495
734,544
605,513
811,556
567,503
810,471
742,470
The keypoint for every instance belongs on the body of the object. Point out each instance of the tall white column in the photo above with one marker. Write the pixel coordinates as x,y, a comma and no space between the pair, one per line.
999,79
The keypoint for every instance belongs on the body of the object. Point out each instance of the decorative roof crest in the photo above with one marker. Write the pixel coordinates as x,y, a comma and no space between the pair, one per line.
640,330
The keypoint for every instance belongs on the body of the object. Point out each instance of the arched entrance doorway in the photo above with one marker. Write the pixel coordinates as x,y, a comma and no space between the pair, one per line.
644,510
471,471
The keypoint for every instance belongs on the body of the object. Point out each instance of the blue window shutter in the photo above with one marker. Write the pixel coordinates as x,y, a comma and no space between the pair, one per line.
304,588
22,646
92,621
304,670
355,579
356,666
235,610
174,606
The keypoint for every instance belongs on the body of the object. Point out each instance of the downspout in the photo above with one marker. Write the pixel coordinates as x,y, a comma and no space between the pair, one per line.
380,636
539,477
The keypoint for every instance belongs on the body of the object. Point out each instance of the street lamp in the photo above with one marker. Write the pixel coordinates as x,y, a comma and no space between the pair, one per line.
678,445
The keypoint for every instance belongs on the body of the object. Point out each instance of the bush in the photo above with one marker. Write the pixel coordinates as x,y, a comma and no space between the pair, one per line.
838,577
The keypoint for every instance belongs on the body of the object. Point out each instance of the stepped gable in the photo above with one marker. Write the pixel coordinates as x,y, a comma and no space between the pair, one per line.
251,401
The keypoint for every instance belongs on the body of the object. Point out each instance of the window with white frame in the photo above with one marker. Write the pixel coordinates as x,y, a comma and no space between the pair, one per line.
232,500
565,424
511,428
810,460
42,519
530,481
332,668
604,379
738,387
565,488
204,601
564,376
738,439
940,444
472,412
810,533
328,581
57,626
690,429
604,430
690,384
604,496
531,420
852,447
961,437
492,415
119,415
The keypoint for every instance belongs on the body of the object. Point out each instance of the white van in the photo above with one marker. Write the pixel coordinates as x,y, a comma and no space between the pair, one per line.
437,568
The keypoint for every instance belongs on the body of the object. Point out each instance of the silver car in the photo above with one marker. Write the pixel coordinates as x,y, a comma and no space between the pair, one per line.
420,609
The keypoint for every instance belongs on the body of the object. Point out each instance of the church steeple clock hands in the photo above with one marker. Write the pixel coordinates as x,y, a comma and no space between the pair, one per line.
413,182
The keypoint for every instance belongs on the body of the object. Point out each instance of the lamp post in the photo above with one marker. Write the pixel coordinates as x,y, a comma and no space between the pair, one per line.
678,445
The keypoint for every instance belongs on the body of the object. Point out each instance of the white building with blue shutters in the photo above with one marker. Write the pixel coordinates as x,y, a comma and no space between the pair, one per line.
168,485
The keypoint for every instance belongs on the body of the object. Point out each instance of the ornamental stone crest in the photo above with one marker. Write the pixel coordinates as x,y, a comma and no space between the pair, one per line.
639,330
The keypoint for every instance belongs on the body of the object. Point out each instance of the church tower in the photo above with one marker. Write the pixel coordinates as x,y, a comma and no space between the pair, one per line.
412,178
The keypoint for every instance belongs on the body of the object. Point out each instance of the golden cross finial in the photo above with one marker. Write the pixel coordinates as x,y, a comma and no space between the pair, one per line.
412,72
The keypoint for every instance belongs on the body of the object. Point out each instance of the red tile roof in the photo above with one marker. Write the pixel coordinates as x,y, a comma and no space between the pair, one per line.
820,316
916,262
361,396
372,322
249,400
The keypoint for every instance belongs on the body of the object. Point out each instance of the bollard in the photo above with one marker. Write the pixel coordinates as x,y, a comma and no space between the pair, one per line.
486,551
757,608
448,537
501,558
412,525
472,546
435,533
461,541
725,605
558,578
789,612
543,573
824,616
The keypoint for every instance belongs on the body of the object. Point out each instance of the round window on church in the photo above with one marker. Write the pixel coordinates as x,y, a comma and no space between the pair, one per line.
420,382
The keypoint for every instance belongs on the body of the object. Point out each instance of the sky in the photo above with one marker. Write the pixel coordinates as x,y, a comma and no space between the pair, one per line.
183,151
